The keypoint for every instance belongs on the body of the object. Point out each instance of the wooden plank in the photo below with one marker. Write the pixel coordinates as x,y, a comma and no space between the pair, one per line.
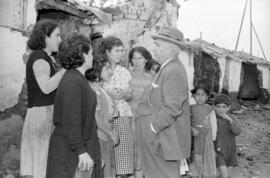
58,5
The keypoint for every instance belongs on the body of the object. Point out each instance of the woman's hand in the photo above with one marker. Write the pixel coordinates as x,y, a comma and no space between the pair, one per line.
128,94
194,132
115,137
85,162
116,94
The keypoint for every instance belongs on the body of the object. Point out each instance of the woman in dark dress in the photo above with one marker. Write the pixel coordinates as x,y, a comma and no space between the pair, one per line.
74,144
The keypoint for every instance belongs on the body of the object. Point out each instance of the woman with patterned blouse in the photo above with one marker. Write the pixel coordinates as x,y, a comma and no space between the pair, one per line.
119,89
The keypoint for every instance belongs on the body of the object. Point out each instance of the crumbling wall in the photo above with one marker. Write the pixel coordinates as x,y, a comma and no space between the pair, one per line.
207,71
12,95
138,20
265,75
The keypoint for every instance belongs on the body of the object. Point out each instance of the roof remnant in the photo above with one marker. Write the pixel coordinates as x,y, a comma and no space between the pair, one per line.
92,14
218,52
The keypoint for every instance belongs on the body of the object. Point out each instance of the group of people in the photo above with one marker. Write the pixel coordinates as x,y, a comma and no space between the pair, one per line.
96,118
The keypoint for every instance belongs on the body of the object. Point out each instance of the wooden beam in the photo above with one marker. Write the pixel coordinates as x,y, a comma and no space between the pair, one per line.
59,5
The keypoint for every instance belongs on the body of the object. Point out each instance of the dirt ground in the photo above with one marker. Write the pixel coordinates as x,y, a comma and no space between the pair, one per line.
254,143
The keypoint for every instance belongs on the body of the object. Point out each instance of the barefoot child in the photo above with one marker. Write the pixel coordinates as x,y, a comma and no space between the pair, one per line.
227,129
204,129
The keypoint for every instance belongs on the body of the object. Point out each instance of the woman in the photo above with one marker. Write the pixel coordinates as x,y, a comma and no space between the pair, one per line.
106,111
74,142
42,81
139,58
118,87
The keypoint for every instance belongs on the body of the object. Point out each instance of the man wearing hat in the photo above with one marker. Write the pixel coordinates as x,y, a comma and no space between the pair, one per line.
163,118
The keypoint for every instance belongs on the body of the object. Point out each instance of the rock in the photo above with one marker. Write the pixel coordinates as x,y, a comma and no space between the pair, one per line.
10,132
11,125
11,159
250,158
266,107
257,107
241,154
10,138
9,176
4,144
16,139
240,111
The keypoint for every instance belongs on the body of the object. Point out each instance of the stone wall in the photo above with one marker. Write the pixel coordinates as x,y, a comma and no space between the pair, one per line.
135,25
12,94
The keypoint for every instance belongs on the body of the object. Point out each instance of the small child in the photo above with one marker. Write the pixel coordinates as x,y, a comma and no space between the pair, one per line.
227,128
152,66
204,127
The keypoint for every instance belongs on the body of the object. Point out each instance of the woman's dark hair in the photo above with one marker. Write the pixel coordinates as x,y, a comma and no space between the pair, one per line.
71,51
94,74
143,51
41,29
108,43
150,64
201,87
95,42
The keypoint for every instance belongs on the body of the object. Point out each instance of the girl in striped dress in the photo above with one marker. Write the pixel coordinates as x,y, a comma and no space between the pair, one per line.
204,128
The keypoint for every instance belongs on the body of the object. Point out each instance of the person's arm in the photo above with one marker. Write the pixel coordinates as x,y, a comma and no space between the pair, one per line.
213,122
174,96
128,95
101,125
235,126
42,71
72,107
143,108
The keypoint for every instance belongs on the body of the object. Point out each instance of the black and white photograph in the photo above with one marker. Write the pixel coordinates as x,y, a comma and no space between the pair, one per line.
134,89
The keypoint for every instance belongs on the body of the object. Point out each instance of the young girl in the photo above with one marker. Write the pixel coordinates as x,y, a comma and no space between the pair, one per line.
227,128
119,89
152,66
105,113
204,129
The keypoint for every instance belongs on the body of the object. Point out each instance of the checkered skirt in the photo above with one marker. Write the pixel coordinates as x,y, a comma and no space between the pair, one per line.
124,151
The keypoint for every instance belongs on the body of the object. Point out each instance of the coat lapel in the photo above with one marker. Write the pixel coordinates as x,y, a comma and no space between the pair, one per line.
153,85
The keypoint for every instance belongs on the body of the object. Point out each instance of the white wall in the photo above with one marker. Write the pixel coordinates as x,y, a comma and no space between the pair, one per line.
235,73
222,65
265,75
12,67
31,14
187,59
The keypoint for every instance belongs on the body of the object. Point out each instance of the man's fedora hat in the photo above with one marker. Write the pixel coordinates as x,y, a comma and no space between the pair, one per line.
171,35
